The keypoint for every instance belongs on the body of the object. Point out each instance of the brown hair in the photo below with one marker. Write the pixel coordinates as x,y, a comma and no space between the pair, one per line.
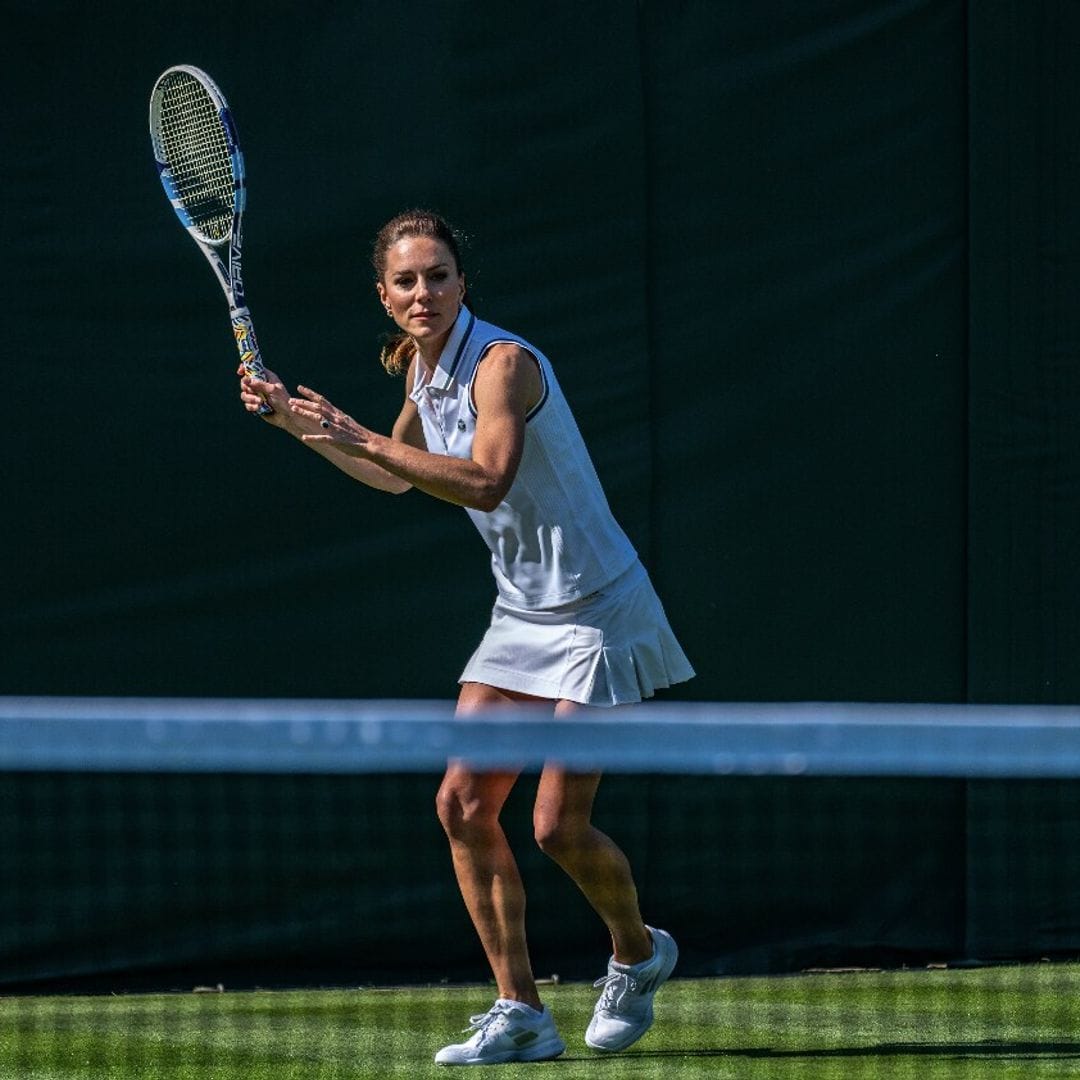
398,348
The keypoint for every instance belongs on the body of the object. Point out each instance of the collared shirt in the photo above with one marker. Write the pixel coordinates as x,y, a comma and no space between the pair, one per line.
553,539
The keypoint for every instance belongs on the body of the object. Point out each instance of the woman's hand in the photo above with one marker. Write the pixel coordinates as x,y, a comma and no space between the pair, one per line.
324,425
271,391
331,433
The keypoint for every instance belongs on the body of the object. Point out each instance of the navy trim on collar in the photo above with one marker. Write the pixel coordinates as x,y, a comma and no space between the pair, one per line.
450,360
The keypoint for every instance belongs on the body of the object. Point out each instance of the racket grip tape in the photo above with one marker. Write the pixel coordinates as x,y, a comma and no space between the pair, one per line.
248,347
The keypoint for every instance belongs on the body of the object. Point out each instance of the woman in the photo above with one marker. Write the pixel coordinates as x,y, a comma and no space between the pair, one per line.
576,621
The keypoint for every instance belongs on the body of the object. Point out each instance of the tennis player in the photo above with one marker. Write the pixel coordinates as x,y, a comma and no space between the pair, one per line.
576,621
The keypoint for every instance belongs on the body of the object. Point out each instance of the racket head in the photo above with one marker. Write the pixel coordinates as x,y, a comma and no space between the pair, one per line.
197,153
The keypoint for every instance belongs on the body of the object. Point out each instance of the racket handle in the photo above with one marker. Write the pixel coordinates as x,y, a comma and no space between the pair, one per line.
248,346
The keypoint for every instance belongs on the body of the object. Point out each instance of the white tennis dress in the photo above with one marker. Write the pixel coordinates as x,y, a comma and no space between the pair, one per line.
576,616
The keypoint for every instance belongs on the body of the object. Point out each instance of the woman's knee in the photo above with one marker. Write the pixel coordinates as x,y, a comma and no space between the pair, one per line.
558,835
456,813
468,806
562,813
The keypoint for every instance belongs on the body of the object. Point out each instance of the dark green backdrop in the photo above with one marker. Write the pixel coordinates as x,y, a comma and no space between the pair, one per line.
808,272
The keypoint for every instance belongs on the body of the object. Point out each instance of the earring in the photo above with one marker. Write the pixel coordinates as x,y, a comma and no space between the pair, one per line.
389,311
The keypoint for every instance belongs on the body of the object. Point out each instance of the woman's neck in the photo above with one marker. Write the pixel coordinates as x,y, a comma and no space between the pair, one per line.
430,349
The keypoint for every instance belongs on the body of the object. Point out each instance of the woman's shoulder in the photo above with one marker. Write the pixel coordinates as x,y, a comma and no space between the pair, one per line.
488,336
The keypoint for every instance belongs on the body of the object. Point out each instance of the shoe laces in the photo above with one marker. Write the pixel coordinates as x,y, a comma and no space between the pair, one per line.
482,1021
617,985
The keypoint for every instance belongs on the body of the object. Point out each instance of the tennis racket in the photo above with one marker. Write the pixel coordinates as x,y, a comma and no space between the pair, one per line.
202,170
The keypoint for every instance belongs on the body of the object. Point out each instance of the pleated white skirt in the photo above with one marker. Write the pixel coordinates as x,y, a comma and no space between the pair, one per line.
614,647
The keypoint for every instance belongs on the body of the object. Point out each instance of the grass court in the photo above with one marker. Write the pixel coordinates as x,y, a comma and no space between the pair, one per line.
1012,1021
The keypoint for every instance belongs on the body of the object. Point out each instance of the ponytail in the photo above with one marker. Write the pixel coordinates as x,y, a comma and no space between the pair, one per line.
397,353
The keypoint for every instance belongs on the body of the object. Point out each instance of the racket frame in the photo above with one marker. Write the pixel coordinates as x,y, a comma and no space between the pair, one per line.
229,273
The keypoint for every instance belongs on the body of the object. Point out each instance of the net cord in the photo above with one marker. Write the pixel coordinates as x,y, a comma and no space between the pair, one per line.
808,739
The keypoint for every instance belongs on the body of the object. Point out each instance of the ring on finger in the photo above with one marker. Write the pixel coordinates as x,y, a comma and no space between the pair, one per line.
324,423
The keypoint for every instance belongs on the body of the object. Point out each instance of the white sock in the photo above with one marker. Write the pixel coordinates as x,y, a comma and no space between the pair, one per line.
527,1009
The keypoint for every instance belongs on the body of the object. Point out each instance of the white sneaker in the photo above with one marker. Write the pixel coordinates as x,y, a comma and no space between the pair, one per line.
508,1031
625,1009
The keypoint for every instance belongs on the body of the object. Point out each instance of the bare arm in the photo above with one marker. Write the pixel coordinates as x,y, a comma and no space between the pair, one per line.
507,383
407,427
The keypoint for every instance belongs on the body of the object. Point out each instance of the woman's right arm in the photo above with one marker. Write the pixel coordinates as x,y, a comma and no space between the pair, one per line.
407,429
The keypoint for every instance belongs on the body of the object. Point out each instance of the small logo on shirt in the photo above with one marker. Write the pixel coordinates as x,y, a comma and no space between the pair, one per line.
461,425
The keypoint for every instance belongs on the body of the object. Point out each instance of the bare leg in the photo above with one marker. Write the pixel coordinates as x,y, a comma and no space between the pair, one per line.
562,820
469,804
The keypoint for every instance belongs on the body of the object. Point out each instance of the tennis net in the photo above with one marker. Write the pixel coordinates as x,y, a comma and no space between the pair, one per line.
174,844
273,736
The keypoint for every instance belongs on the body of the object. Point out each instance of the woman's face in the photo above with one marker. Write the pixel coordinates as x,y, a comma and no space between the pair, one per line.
422,288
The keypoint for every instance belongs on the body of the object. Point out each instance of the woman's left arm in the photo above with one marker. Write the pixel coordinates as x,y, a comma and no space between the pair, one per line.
506,385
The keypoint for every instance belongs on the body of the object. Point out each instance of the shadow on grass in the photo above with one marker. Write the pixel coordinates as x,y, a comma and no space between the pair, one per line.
990,1049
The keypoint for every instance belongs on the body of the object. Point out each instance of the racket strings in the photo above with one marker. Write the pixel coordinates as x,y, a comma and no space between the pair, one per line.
197,154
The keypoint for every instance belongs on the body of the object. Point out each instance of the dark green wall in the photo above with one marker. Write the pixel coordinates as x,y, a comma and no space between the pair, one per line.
1024,371
119,882
808,272
808,275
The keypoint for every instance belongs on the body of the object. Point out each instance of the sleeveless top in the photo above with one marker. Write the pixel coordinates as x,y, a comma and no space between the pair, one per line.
553,539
